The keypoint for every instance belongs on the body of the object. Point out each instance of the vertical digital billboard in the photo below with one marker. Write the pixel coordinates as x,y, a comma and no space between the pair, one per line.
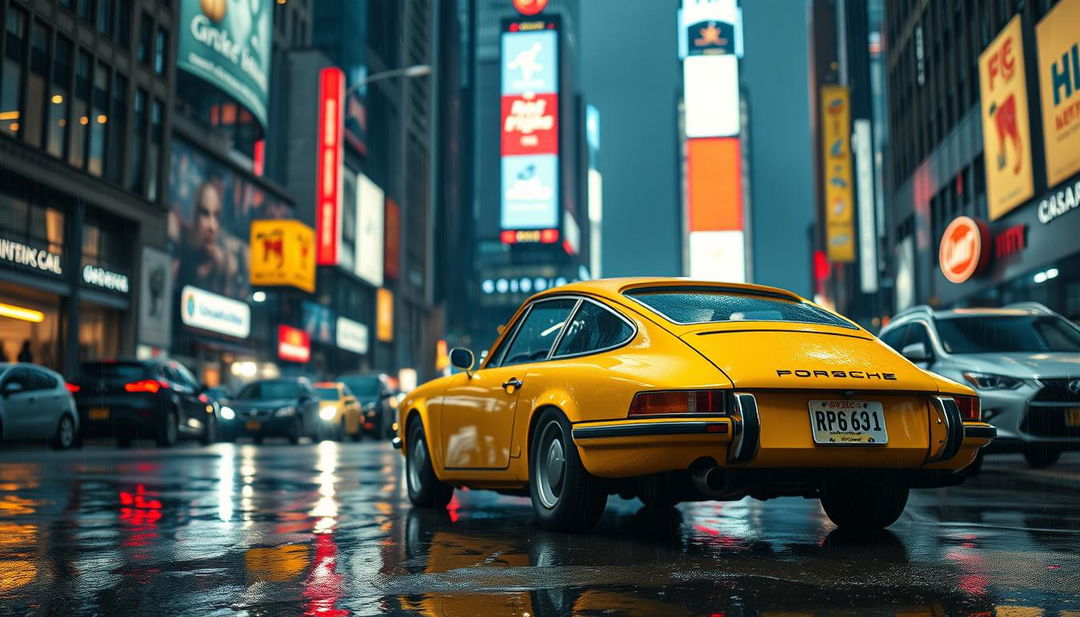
836,173
1006,136
328,166
1059,81
715,209
529,125
370,204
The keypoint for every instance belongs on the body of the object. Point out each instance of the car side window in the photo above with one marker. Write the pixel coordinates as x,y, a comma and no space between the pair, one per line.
186,375
20,376
919,334
895,338
41,381
537,334
592,328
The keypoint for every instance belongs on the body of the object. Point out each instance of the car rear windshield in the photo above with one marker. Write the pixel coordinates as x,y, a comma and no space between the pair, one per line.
699,305
115,371
328,394
363,386
996,333
269,390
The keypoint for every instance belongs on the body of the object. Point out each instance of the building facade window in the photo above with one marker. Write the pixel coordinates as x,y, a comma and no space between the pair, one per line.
36,84
11,88
99,119
114,158
137,173
104,16
146,38
161,46
80,108
58,97
122,32
153,155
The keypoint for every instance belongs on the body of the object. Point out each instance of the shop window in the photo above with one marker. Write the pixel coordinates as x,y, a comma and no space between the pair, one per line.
99,332
14,54
58,97
80,108
40,225
99,120
38,340
36,83
103,244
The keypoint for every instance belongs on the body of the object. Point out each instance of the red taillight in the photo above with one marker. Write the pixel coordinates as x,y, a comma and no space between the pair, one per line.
72,388
680,402
146,385
969,407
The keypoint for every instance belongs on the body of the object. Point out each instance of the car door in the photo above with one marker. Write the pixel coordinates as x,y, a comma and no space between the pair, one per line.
20,404
50,402
192,410
479,409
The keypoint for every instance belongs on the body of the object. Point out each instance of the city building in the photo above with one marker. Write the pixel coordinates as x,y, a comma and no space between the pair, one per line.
525,183
85,122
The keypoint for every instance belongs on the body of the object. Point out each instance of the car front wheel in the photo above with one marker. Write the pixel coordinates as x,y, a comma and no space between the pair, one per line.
425,490
863,503
169,431
565,496
65,436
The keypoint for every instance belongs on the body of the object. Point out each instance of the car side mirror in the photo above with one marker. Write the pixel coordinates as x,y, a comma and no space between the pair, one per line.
12,387
462,358
916,352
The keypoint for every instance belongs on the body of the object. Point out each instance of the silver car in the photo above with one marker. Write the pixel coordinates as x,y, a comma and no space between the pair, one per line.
1023,360
35,404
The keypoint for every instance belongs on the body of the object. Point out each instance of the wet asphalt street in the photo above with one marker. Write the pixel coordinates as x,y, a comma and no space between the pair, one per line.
327,530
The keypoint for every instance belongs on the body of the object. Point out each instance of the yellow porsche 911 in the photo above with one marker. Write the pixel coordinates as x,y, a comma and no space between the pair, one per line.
672,390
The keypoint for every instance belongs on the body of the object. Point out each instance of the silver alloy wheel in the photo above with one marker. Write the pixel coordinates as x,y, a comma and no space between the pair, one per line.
550,465
417,462
67,432
170,428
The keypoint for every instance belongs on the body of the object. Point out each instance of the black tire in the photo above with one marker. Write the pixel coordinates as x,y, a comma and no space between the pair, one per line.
297,431
863,503
1041,456
425,490
65,436
565,496
169,432
210,432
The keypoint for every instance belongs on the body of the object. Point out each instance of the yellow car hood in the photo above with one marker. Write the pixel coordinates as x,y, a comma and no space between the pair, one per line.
805,356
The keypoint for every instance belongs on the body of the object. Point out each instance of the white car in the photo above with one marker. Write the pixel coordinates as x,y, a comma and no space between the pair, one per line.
35,404
1023,360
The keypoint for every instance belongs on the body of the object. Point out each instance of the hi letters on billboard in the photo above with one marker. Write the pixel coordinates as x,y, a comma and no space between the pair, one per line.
1058,42
283,253
836,160
1006,136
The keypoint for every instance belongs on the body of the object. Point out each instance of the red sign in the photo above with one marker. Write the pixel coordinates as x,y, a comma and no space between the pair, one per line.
963,252
526,236
1011,241
392,242
294,345
530,124
328,166
530,7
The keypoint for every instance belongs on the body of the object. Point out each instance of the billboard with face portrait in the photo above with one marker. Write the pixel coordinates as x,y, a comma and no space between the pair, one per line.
211,208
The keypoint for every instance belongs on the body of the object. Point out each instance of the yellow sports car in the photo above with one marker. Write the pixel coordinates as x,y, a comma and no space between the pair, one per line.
674,390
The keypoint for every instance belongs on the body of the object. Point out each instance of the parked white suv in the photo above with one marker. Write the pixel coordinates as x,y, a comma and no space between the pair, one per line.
1023,360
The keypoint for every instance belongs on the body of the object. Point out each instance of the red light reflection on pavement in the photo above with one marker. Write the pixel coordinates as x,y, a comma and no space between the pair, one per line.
323,585
140,513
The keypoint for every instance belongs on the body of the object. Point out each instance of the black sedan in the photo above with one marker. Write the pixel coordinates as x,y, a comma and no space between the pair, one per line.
143,399
284,407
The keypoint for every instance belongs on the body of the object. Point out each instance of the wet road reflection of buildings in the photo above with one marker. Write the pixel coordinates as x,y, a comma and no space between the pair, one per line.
325,530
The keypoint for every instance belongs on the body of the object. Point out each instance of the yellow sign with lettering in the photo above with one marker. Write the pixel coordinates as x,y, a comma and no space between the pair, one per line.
836,173
1058,41
282,254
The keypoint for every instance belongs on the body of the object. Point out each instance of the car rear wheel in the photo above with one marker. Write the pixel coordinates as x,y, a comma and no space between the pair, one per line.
169,431
1041,456
210,432
65,434
296,432
565,496
425,490
863,503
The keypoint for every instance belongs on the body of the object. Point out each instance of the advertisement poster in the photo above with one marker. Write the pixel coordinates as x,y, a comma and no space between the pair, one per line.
370,201
836,160
155,298
210,213
227,43
1058,43
283,253
318,321
1006,136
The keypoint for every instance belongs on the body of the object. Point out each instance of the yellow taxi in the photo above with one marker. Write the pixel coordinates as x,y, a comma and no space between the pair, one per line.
339,411
675,390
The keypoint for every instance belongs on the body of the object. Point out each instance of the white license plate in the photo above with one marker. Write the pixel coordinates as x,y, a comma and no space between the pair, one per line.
848,422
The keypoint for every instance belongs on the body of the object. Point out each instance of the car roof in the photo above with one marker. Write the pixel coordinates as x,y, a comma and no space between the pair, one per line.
616,287
1016,310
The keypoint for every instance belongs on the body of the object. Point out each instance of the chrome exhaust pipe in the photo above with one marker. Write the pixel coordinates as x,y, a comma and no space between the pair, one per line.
709,479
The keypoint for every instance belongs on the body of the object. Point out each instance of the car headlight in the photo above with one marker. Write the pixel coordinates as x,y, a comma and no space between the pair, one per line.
990,381
285,411
227,412
328,412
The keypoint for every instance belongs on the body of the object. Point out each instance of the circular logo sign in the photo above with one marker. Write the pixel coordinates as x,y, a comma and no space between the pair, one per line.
963,252
530,7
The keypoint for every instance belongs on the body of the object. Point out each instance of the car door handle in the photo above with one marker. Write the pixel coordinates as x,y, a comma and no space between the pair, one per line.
513,381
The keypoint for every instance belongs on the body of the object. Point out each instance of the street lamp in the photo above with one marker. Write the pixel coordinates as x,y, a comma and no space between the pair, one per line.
416,70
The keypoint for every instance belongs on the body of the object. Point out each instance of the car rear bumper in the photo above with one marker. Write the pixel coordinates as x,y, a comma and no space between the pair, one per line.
773,432
121,415
260,427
